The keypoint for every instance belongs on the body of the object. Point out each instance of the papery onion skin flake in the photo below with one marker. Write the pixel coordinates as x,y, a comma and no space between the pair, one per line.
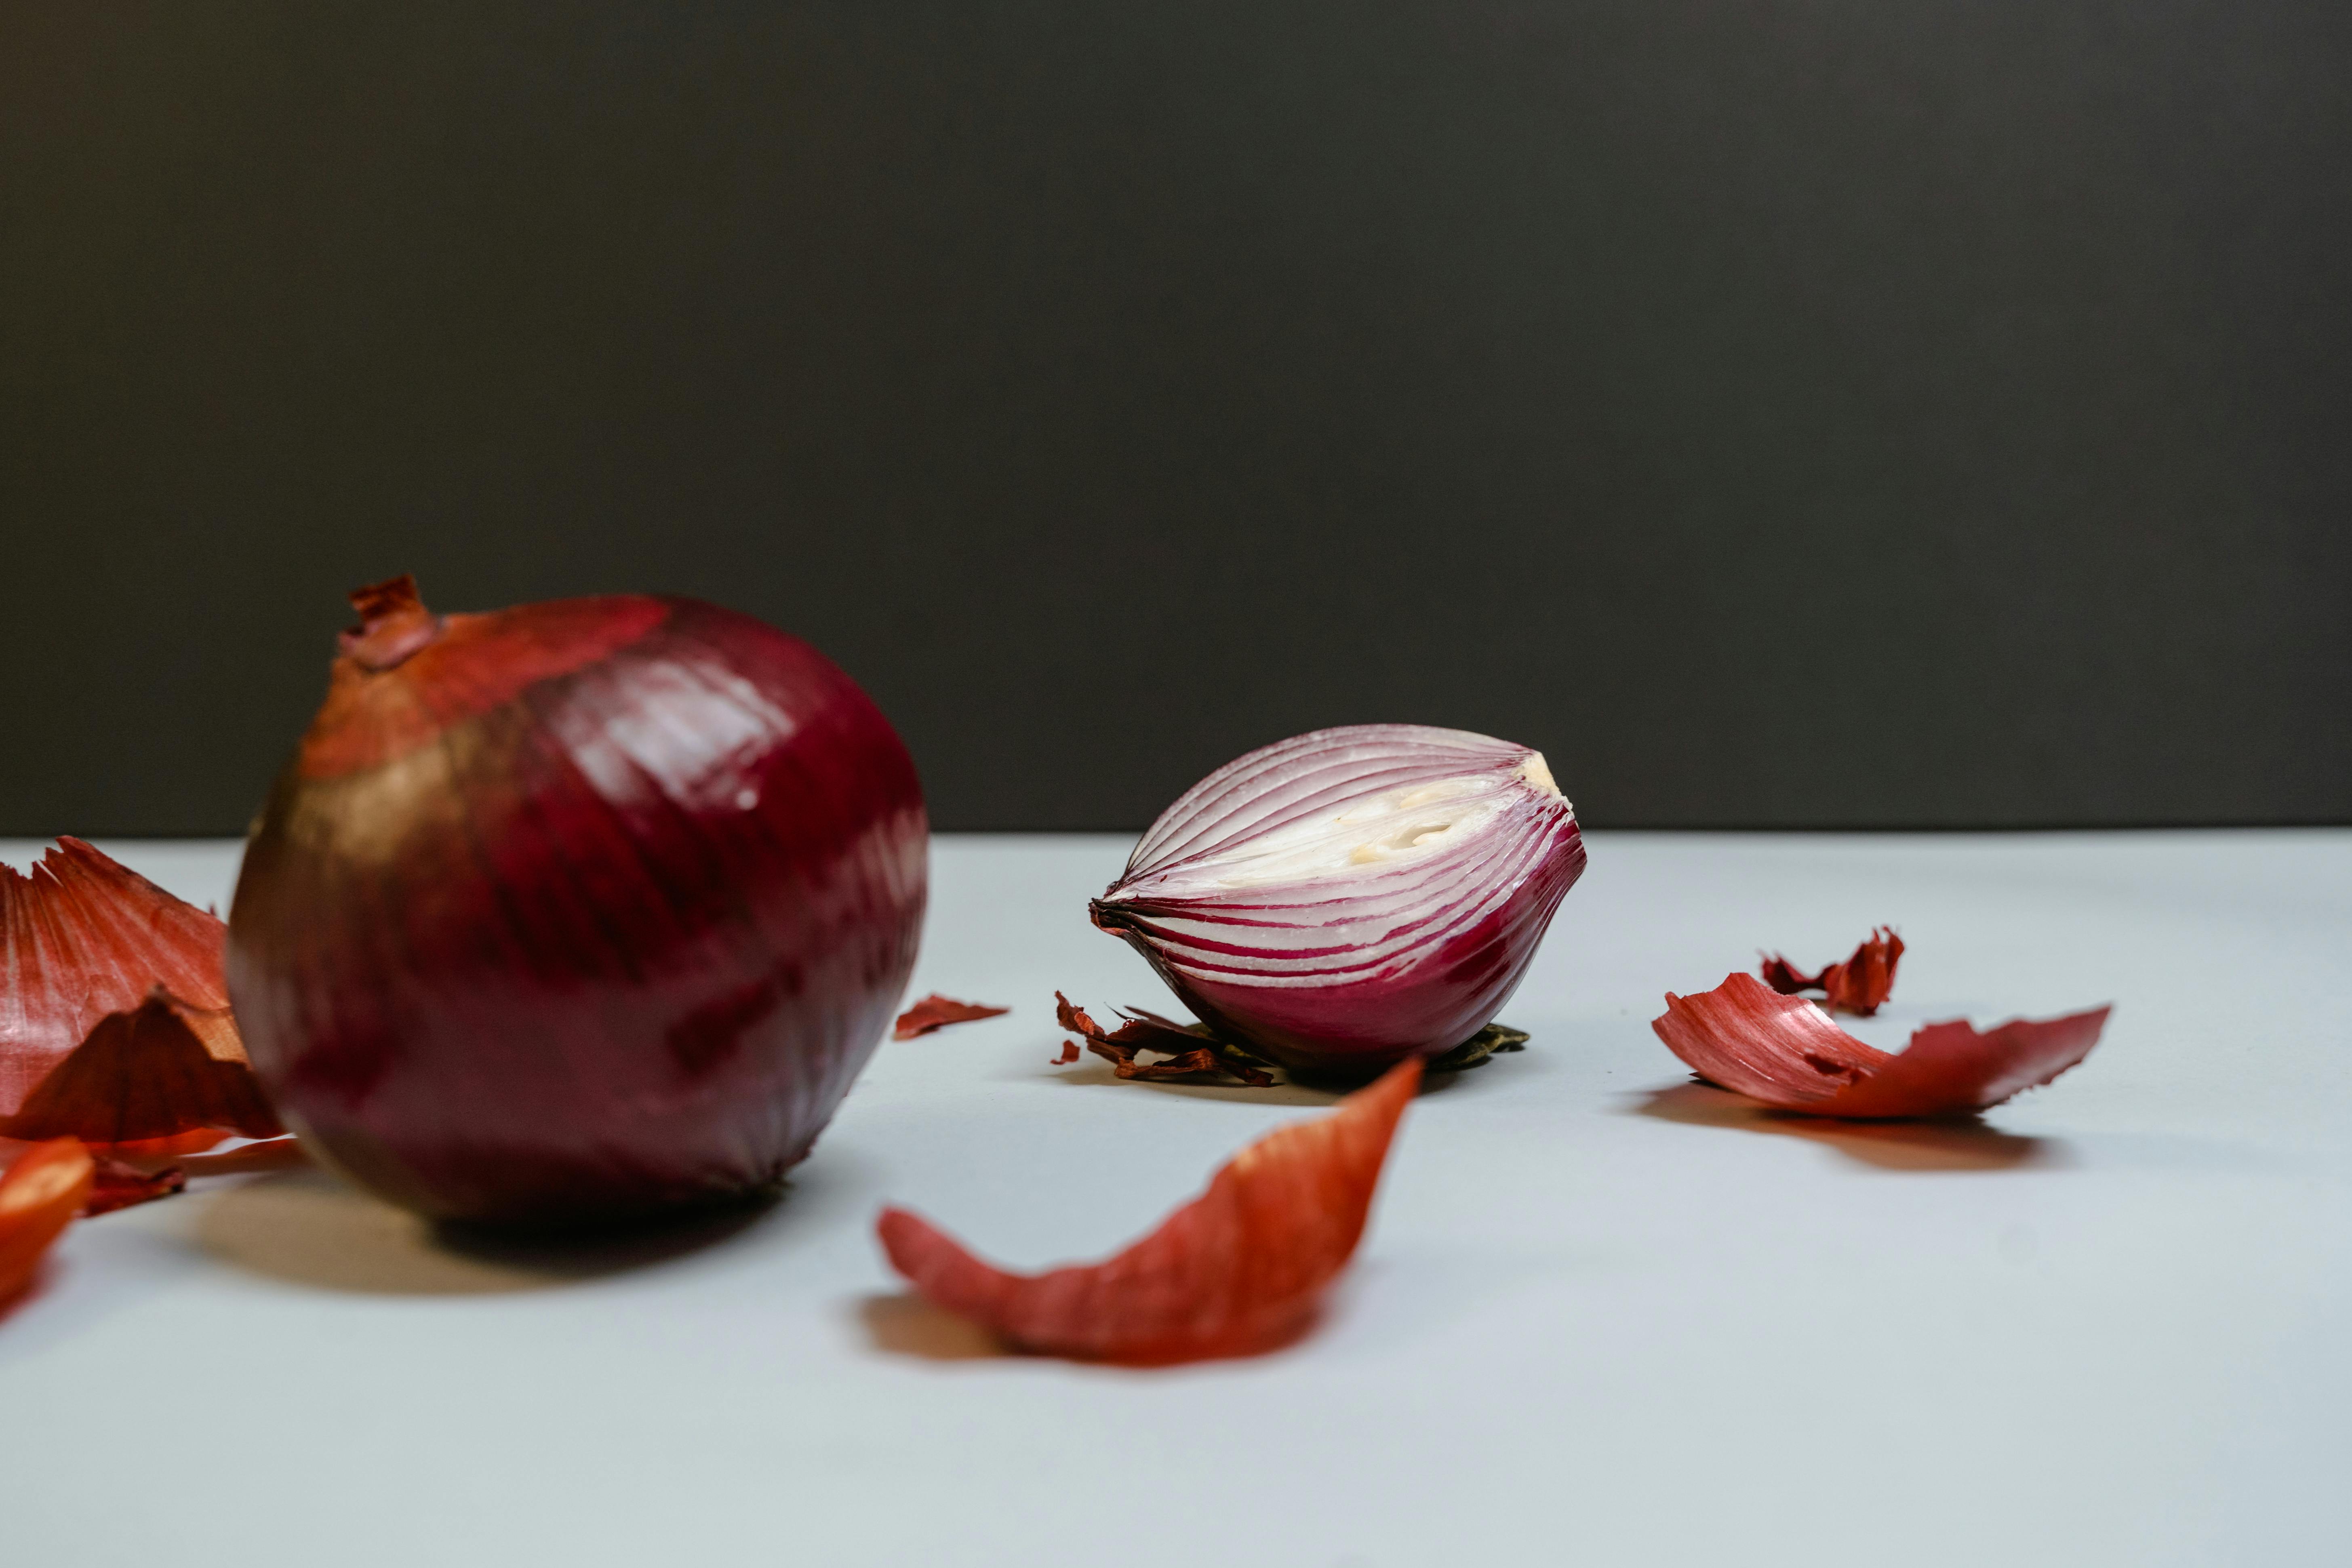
1346,898
1784,1052
936,1012
82,937
151,1074
1239,1270
1191,1058
117,1184
40,1194
576,912
1860,984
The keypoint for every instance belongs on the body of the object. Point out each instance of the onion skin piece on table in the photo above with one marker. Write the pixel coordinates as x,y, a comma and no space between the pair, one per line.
39,1196
102,972
114,1017
576,912
1784,1052
147,1076
1860,985
1238,1271
117,1185
936,1012
1348,897
1189,1058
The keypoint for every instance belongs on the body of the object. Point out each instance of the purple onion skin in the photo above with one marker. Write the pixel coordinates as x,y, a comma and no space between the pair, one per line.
582,912
1357,1025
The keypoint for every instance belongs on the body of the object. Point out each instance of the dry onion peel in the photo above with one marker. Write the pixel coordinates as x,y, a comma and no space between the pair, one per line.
1861,984
1237,1271
1350,897
148,1076
39,1196
936,1012
1194,1055
1785,1052
114,1019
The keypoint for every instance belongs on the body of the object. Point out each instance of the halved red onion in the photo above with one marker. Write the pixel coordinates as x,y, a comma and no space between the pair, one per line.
1350,897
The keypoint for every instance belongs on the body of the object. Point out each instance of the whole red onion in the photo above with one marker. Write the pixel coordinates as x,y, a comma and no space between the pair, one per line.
1345,899
578,910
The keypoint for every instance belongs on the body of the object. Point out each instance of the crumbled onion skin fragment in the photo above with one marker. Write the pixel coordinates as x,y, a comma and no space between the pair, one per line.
1784,1052
1860,984
1351,897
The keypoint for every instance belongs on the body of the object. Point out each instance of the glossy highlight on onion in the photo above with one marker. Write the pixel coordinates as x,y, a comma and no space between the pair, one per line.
576,912
1351,897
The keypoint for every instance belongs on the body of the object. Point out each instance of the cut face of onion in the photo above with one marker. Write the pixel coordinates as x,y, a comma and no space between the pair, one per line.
1350,897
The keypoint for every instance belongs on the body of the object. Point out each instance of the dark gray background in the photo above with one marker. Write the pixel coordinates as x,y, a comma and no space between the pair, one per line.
1868,412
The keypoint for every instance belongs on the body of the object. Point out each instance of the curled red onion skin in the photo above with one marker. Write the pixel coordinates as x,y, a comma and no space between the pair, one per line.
1329,1017
579,912
82,936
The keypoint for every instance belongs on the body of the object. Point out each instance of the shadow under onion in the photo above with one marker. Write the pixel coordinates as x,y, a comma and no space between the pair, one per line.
305,1226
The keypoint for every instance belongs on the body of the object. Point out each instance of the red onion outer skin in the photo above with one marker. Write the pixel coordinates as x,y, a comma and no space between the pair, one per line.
1338,1016
582,912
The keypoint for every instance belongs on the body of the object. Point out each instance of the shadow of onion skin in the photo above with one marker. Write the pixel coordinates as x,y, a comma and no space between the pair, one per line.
307,1228
1957,1144
907,1324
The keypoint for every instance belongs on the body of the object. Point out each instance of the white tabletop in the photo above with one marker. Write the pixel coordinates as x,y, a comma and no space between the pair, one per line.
1588,1326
